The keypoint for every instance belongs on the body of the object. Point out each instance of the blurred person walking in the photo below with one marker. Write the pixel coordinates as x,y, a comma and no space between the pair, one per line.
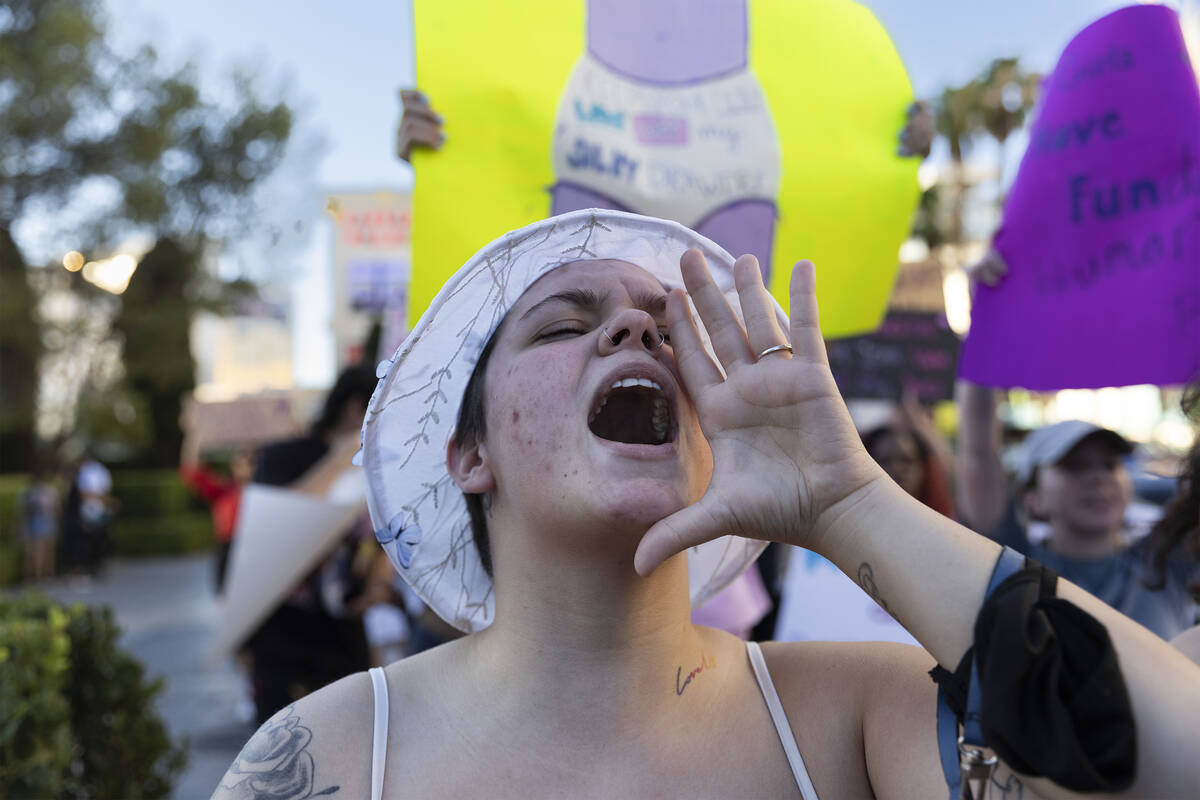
38,506
87,514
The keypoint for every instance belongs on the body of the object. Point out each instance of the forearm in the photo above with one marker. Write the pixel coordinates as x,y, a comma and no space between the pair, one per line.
932,574
318,480
979,473
927,571
321,477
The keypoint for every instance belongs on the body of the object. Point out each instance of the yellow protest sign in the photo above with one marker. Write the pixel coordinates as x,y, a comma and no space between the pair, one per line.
788,153
494,71
839,94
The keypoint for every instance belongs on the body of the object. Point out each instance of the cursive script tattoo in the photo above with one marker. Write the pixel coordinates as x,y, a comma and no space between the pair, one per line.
681,683
866,578
275,764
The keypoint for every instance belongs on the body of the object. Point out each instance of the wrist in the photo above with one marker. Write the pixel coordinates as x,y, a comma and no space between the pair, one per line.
835,528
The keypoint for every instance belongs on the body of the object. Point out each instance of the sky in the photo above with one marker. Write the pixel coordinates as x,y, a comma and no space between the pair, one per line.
343,64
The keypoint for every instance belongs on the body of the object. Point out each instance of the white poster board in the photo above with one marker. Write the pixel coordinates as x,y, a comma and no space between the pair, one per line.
820,603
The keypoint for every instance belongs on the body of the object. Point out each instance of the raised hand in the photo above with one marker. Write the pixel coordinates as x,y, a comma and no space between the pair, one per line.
916,138
420,125
989,270
785,452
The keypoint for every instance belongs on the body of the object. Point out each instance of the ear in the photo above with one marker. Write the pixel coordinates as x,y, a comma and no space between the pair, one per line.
1032,504
469,467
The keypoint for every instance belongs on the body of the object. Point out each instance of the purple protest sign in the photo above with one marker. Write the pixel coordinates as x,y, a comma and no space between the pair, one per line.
1101,230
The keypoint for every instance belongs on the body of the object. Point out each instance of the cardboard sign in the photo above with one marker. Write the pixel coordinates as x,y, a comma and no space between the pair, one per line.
244,422
777,138
919,287
281,535
912,352
1101,230
372,254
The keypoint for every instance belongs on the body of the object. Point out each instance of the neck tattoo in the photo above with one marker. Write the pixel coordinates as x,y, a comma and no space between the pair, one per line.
681,683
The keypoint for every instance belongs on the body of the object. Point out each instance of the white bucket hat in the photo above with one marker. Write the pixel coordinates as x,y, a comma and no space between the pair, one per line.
419,514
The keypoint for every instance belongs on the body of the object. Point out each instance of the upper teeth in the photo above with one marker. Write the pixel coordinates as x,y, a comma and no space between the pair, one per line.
661,416
625,383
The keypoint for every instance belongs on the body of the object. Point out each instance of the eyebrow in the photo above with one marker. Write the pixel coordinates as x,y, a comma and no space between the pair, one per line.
588,299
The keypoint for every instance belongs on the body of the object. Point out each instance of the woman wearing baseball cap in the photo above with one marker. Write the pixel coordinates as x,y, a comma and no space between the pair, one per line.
1071,476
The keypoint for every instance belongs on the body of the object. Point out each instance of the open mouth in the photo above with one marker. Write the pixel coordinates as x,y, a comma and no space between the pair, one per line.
633,411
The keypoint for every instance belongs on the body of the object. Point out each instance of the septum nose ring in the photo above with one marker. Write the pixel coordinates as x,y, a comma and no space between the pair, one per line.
646,339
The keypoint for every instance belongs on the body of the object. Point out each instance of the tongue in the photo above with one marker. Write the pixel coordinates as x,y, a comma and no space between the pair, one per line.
627,417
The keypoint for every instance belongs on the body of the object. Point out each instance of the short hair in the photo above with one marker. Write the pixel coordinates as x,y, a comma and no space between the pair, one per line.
357,381
470,430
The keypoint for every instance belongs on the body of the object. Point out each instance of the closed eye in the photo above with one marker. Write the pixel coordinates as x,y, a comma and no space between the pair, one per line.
560,331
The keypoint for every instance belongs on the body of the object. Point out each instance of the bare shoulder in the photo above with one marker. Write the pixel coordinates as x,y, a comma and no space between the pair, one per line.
869,683
319,746
886,687
875,706
854,670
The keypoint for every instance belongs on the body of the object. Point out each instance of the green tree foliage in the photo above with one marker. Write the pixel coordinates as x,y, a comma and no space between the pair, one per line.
992,105
153,322
20,348
74,112
76,711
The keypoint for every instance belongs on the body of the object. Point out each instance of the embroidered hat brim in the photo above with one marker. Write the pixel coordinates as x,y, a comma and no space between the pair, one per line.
419,514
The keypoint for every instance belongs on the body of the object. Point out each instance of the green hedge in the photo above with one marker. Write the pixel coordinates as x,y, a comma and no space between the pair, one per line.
77,717
149,493
10,487
141,493
157,517
12,553
162,535
12,563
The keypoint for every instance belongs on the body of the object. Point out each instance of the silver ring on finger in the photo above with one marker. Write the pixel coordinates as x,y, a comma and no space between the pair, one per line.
779,348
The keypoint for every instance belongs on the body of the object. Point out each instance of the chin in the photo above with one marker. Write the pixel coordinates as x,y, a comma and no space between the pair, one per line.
1097,529
642,504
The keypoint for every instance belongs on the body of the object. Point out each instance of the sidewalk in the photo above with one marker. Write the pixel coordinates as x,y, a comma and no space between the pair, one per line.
166,610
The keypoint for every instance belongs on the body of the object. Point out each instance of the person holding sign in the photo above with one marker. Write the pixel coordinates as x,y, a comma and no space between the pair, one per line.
1072,476
562,456
1100,235
747,122
1091,281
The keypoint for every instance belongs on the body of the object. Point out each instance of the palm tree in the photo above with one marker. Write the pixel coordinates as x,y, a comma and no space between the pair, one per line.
995,104
1006,96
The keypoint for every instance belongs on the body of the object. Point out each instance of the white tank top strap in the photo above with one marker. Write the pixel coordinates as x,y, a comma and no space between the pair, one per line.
379,742
779,717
